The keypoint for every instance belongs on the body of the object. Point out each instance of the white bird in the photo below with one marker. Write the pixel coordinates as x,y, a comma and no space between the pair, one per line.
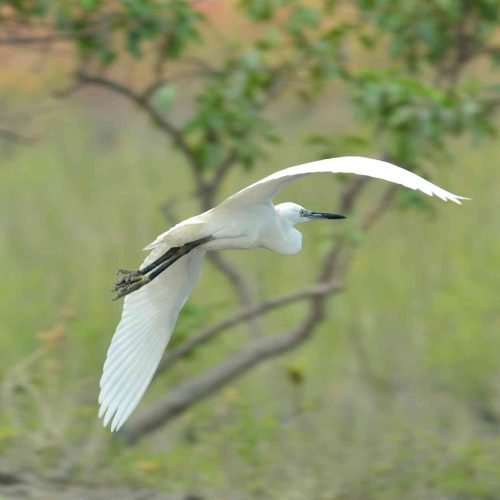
158,290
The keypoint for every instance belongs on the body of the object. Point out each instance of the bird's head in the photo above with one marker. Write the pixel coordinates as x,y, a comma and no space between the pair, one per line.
293,213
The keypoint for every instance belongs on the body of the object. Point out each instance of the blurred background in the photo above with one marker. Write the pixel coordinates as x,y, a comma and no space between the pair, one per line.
119,118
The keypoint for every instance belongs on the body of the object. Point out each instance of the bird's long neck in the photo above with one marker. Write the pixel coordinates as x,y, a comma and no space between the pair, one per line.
282,236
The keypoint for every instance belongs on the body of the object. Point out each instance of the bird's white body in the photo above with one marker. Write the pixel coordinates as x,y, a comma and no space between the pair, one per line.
248,219
261,225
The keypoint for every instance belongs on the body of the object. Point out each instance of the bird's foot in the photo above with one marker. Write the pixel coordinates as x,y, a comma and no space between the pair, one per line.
130,281
130,284
129,272
127,278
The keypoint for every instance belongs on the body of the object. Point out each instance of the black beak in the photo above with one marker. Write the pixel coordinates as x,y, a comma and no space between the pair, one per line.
323,215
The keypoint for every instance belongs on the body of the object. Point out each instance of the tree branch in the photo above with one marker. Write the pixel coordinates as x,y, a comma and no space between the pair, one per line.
185,394
380,207
222,171
351,192
8,478
9,135
244,315
142,101
46,34
35,39
239,283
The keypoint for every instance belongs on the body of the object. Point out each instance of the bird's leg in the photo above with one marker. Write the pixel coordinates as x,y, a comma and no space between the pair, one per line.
133,276
134,280
183,250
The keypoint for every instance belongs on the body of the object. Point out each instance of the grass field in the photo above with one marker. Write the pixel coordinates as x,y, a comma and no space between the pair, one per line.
400,387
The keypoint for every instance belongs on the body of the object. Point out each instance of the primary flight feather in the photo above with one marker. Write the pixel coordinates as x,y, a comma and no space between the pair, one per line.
156,292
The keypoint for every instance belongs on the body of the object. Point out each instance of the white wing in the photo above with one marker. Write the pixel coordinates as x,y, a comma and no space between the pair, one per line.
264,190
148,318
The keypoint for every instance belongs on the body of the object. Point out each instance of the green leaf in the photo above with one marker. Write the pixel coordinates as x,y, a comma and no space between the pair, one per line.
262,10
90,5
164,97
301,18
107,56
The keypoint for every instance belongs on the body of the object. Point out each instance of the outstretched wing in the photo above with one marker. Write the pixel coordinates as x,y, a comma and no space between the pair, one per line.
148,319
264,190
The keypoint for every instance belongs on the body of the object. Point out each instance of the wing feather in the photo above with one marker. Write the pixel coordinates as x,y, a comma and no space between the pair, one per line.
148,319
264,190
149,314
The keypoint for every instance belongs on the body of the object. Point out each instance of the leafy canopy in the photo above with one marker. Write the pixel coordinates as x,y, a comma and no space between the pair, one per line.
413,93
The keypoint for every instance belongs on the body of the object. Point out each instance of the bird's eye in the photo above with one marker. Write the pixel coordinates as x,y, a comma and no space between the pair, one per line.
302,212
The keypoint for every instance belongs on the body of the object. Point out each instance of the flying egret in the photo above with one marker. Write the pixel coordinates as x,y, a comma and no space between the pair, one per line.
158,290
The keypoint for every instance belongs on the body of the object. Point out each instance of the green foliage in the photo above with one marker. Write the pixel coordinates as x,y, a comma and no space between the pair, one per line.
413,105
163,97
263,10
431,32
228,122
105,32
228,118
413,118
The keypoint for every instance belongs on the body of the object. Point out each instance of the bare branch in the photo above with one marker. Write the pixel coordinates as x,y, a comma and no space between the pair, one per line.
8,478
169,212
43,37
185,394
33,39
350,195
380,207
337,261
244,315
143,103
151,89
198,68
351,192
9,135
67,90
240,285
222,171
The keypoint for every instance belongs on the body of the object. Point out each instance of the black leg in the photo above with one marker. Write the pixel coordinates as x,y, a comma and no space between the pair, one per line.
136,275
133,280
157,262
